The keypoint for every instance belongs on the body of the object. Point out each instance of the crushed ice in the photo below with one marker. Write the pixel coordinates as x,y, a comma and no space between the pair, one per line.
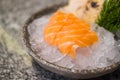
102,54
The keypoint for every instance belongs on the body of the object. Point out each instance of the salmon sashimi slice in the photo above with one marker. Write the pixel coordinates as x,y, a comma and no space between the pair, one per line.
67,32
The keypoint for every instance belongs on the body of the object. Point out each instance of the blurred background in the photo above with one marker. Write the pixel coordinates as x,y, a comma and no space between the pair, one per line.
15,63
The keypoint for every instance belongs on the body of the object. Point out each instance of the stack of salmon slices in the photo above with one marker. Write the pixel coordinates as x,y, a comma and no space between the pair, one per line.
67,32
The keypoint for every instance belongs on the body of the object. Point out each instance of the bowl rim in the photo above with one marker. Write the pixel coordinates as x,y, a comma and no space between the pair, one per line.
45,62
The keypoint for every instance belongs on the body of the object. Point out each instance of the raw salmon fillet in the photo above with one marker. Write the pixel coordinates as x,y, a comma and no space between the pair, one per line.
67,32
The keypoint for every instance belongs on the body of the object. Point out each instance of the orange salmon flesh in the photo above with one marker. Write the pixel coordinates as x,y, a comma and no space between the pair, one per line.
67,32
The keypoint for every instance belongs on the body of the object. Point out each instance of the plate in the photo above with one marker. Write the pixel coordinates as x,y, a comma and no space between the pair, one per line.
83,74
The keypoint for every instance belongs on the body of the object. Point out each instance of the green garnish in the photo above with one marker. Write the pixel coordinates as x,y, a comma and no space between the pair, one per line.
110,15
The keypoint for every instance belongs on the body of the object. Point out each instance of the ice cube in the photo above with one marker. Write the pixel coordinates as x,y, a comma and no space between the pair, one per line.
102,54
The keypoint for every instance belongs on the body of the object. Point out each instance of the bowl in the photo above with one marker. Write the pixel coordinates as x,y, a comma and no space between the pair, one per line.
71,73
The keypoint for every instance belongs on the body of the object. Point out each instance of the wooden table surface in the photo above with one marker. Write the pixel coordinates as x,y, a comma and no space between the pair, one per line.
15,63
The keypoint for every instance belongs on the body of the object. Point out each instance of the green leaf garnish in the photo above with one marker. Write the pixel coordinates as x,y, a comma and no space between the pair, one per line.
110,15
